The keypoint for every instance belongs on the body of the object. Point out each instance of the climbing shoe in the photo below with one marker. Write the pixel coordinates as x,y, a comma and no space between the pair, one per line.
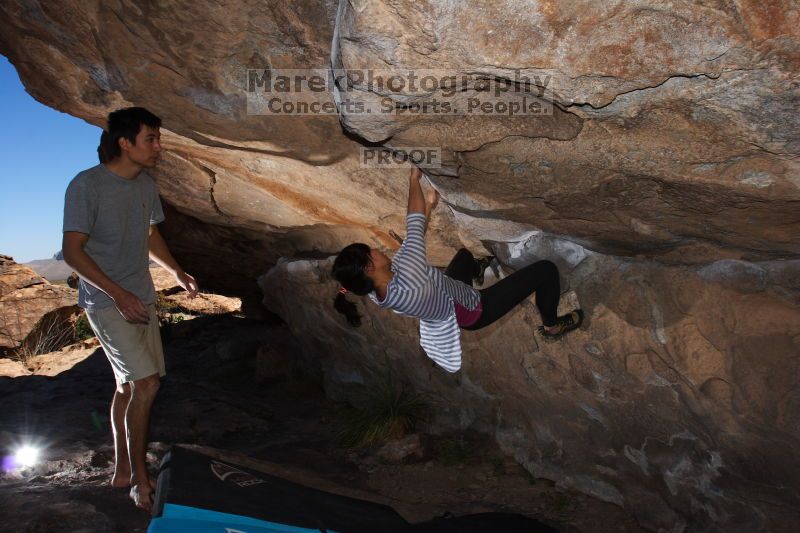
482,264
565,324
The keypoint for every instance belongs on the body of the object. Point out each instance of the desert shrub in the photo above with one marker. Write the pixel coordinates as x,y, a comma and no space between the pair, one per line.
83,330
389,411
164,305
52,333
174,318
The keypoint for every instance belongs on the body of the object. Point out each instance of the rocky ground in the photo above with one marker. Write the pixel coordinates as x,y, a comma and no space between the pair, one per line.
663,181
228,397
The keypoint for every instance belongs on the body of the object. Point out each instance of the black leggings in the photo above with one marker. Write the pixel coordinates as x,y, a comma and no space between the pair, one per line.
540,277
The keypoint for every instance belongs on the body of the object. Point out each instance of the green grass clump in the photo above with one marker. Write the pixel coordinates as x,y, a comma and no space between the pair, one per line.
389,411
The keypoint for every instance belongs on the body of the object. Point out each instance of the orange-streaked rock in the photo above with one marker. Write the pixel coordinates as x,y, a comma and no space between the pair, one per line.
31,307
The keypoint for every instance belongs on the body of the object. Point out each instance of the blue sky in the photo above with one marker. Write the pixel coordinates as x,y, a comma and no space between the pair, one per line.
41,150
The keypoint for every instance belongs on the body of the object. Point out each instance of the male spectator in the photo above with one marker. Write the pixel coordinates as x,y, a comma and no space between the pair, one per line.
111,213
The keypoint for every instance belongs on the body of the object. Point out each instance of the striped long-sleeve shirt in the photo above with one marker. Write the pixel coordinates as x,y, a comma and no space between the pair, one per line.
419,290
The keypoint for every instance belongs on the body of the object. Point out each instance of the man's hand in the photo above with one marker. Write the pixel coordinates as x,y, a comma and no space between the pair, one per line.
130,307
187,282
161,255
416,173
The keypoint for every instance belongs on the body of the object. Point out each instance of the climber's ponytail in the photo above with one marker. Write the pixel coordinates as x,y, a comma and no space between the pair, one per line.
347,308
349,270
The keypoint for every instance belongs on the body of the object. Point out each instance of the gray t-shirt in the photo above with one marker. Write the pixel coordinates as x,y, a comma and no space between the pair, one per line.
116,213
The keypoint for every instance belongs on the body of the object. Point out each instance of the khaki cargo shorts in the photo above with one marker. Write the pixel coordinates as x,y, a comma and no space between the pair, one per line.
134,350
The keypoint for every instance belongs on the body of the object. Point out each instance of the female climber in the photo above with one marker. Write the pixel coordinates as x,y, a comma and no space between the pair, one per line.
443,302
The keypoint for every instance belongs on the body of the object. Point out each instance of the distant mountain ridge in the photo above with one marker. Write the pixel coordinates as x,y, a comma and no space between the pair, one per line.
53,269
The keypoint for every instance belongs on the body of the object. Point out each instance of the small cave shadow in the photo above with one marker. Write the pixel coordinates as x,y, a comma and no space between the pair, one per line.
62,409
73,405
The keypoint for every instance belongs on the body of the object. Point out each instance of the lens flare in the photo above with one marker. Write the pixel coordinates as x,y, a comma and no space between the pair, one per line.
26,456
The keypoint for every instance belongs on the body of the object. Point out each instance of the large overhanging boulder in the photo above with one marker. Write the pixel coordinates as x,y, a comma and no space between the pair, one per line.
674,132
270,185
664,181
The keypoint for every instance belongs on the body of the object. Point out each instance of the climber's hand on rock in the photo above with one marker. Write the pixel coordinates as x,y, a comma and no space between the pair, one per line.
431,197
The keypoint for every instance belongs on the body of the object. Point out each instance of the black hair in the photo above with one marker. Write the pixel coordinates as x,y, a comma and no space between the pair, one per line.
123,123
349,269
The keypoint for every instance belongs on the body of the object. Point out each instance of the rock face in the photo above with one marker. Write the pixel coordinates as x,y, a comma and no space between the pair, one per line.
664,179
675,145
32,310
673,131
677,399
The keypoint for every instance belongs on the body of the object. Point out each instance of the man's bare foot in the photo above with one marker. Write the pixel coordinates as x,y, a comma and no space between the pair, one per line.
142,495
121,480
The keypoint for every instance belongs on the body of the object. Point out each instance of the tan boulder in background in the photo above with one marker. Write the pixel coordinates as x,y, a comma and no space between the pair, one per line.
31,308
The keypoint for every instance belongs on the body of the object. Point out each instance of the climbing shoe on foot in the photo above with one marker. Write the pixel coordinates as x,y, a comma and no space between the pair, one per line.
482,264
565,324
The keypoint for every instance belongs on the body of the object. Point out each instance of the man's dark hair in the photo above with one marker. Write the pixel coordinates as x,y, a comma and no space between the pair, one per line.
123,123
349,270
